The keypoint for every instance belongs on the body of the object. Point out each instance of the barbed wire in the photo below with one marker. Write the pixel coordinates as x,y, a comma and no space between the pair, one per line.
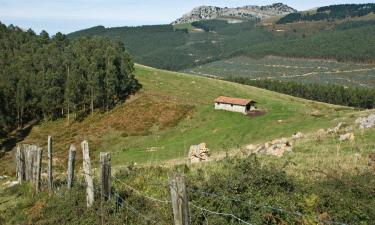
249,202
128,206
140,193
219,213
267,206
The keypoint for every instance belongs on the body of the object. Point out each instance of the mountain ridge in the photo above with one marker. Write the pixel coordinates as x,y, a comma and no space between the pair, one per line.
249,12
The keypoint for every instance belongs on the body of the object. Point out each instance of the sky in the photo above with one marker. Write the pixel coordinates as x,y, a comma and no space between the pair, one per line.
71,15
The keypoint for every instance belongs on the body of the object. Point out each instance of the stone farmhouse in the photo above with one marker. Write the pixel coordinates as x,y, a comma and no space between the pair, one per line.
235,104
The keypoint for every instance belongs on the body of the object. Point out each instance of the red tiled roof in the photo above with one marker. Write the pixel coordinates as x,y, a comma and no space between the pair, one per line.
234,101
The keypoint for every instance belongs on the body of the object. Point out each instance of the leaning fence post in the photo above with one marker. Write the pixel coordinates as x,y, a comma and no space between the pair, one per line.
180,203
20,160
105,161
88,174
50,178
71,162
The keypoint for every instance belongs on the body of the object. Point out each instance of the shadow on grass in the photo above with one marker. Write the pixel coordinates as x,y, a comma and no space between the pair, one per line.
16,136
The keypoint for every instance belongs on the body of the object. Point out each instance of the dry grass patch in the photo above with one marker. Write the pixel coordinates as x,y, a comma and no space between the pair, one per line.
139,117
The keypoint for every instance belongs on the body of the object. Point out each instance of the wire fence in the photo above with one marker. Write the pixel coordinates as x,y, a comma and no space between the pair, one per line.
265,206
191,203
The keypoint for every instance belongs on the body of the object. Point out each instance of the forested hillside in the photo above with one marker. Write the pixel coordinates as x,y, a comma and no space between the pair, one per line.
334,94
43,77
164,46
330,13
356,44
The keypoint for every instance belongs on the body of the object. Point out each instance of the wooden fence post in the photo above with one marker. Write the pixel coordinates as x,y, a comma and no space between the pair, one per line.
105,161
180,202
29,164
88,173
71,162
29,161
50,161
37,168
20,160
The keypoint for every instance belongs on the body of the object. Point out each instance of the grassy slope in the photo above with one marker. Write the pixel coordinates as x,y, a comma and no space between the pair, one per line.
192,96
174,111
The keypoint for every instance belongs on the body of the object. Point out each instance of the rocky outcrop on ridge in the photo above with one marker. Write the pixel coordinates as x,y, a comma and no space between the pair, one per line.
250,12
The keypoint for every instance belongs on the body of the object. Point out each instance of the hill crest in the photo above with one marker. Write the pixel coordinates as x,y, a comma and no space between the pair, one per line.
250,12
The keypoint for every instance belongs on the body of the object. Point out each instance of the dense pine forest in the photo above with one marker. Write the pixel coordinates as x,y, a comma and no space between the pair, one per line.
333,94
330,13
45,77
166,47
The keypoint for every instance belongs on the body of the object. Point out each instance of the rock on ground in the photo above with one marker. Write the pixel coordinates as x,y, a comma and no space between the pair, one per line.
336,129
298,135
198,153
276,147
347,137
321,134
366,122
9,184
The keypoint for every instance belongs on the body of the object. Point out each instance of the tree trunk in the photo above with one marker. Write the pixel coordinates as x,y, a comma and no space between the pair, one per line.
92,101
68,100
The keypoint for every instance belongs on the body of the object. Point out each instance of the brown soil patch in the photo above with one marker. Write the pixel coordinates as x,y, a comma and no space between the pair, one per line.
255,113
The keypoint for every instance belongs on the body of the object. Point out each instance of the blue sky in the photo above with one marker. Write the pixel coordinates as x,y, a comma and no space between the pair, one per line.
71,15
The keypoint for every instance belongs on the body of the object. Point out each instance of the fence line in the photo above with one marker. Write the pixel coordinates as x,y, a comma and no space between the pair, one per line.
266,206
128,206
140,193
219,213
179,199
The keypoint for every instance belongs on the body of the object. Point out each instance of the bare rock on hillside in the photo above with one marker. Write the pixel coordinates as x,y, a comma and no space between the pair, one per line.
198,153
298,135
251,148
336,129
249,12
347,137
276,147
366,122
320,134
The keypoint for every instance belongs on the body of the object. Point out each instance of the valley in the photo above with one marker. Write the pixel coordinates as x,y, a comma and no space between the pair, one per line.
227,115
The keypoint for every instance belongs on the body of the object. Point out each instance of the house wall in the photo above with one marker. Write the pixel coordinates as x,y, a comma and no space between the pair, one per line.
229,107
